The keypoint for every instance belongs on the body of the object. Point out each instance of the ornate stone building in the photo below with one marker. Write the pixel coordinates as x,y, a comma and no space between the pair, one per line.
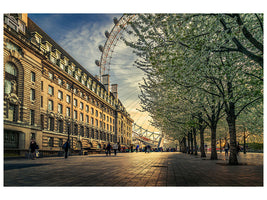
49,96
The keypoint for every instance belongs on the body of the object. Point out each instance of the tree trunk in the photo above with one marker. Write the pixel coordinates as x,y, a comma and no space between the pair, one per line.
188,141
232,131
220,145
184,150
202,148
195,140
192,145
213,144
244,143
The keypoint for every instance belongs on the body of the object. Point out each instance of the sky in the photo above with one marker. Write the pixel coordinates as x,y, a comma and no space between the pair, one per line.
80,35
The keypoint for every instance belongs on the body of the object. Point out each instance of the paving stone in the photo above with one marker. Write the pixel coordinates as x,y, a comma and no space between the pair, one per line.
153,169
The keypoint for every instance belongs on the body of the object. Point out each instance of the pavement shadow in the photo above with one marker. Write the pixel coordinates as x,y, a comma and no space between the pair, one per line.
104,156
20,166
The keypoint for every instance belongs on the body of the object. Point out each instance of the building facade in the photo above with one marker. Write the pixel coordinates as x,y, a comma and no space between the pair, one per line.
50,97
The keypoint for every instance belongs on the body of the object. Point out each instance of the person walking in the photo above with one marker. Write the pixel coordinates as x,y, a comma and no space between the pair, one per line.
137,147
33,148
108,150
226,148
66,147
119,147
115,148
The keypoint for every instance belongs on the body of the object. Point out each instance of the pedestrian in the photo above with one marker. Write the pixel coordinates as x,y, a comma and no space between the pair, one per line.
119,147
145,148
108,150
115,148
131,148
226,148
33,148
66,147
136,149
148,148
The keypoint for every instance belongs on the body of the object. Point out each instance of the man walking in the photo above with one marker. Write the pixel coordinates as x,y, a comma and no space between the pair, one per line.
115,148
66,147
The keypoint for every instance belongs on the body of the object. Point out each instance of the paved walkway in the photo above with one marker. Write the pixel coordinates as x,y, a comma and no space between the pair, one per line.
134,169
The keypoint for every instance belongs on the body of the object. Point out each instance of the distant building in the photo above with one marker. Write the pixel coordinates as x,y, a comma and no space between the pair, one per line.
49,96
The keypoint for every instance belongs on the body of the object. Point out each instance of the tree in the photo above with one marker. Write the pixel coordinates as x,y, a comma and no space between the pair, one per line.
217,54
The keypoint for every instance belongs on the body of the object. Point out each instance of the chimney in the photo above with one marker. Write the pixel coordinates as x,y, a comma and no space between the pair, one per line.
105,81
114,90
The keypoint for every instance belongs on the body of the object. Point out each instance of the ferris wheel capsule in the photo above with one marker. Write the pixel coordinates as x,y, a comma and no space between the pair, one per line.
101,48
107,34
115,20
97,63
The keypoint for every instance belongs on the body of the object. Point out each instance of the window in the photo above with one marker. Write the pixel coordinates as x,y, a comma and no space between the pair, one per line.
96,113
50,141
87,108
104,117
75,129
10,78
82,131
75,114
87,132
81,117
87,119
32,95
51,123
42,122
12,112
81,94
86,97
74,90
92,111
68,86
60,108
42,85
96,122
42,104
60,126
50,90
32,76
68,112
107,118
32,117
60,82
50,105
68,98
81,105
33,136
60,94
51,76
75,102
92,121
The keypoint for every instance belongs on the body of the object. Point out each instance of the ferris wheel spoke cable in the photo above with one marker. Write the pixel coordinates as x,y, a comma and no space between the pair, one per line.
111,57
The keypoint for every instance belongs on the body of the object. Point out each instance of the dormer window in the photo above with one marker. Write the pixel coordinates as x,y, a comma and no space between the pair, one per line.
48,46
37,37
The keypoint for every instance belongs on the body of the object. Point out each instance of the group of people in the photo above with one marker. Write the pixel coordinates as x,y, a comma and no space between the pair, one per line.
115,148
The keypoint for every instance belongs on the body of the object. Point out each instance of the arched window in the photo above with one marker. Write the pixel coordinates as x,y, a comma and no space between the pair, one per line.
11,74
